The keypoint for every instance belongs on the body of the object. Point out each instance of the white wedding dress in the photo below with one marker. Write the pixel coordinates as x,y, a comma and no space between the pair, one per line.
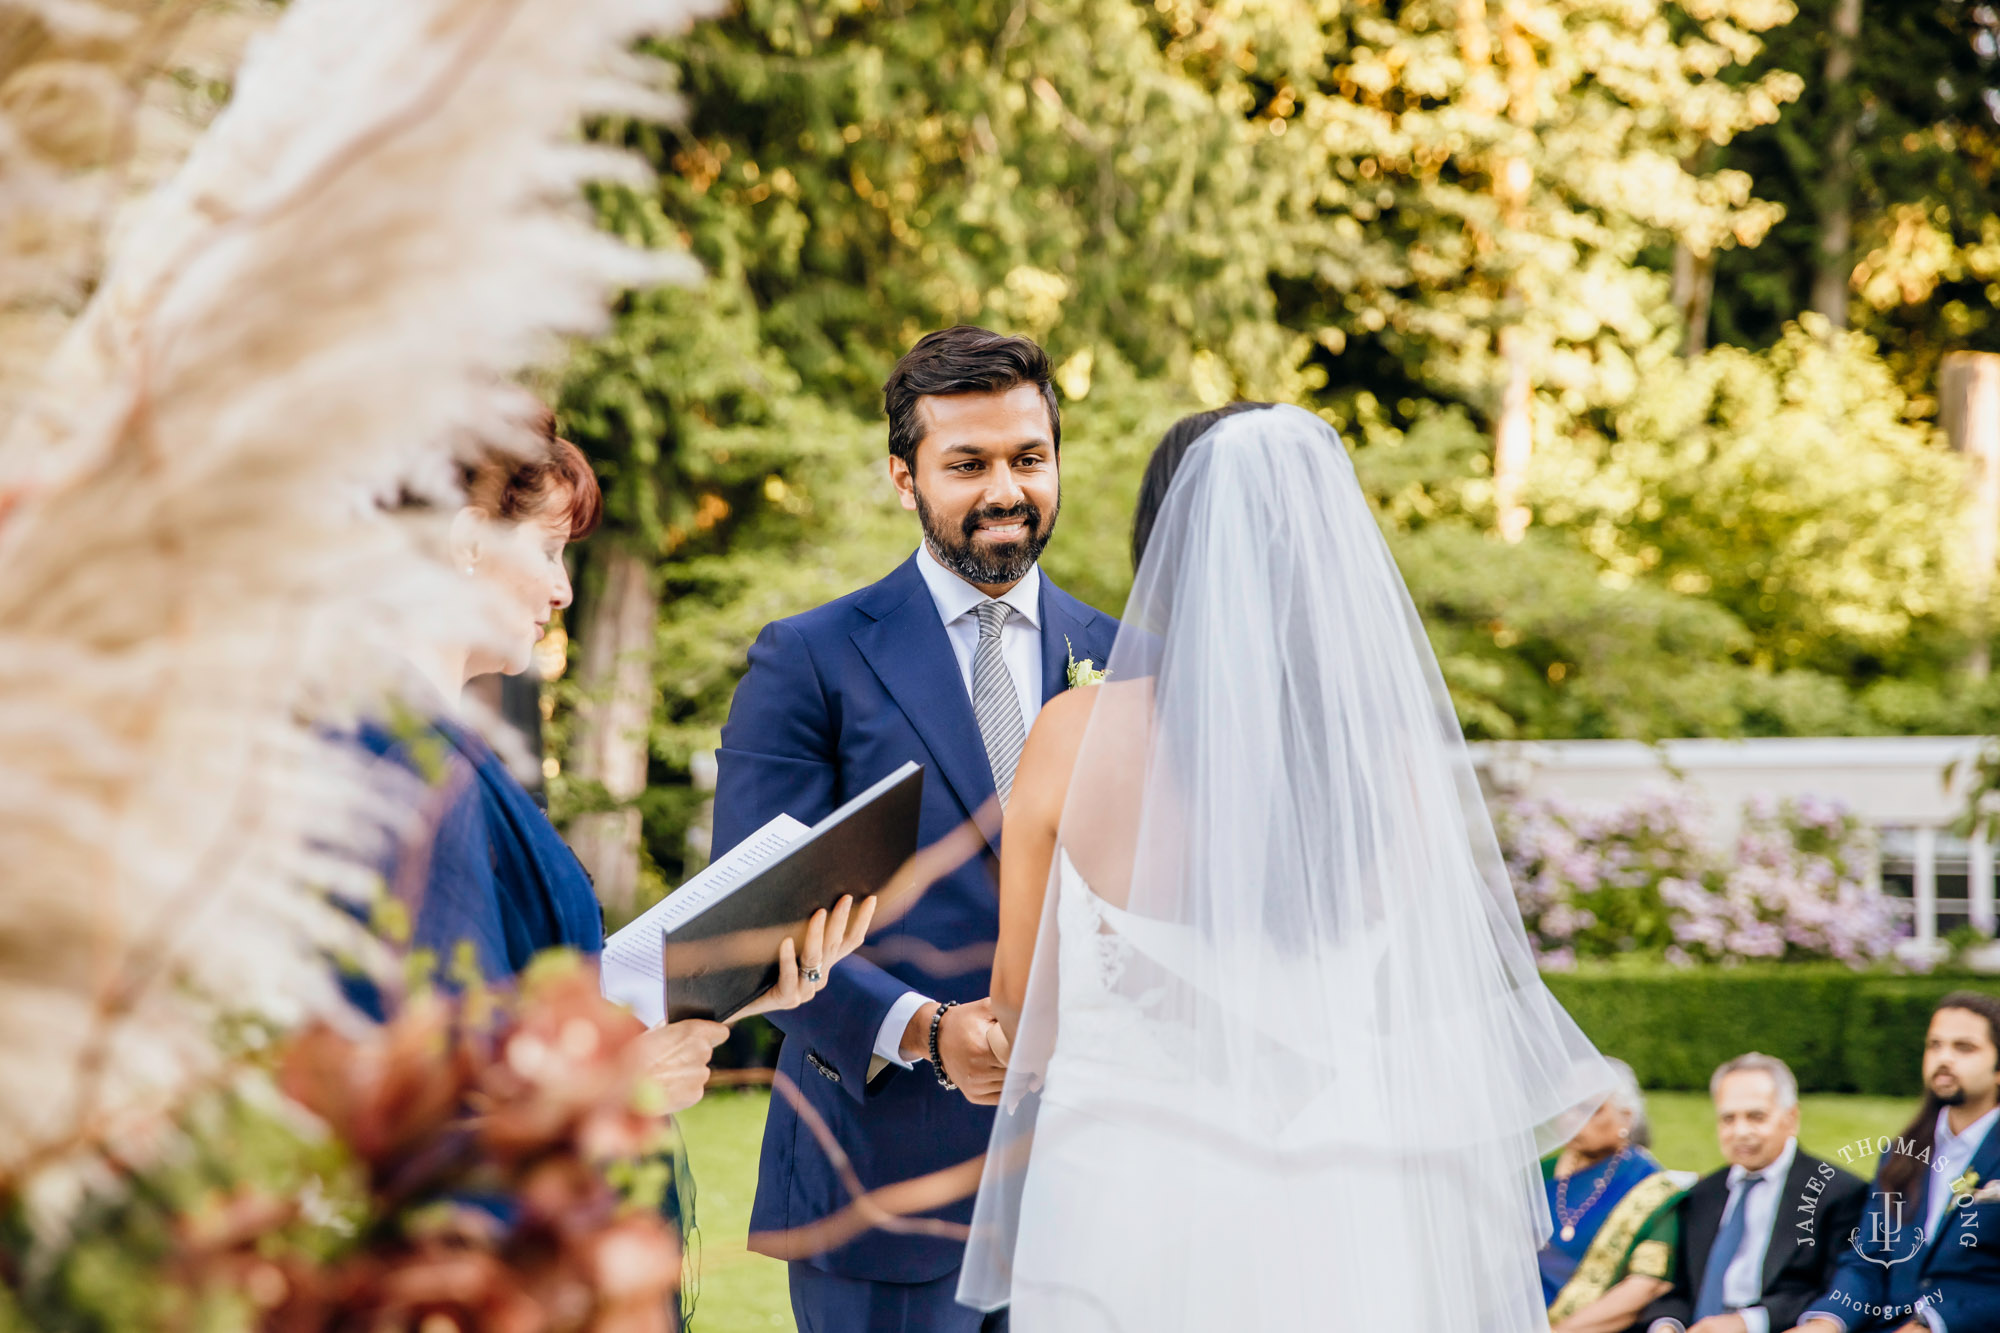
1141,1212
1285,1062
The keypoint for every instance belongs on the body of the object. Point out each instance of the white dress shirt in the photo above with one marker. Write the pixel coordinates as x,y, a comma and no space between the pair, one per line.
1743,1283
1021,648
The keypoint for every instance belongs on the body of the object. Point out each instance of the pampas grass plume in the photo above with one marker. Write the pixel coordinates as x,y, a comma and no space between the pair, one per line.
342,284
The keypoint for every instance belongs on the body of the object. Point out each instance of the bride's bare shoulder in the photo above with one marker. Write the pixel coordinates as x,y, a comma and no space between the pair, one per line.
1060,726
1071,707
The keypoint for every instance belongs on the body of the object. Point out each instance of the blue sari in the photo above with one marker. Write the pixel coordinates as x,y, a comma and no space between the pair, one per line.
1630,1227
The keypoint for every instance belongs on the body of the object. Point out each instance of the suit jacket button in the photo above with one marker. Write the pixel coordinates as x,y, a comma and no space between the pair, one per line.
812,1058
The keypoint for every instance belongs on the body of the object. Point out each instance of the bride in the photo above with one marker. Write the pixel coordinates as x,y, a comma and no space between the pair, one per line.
1280,1055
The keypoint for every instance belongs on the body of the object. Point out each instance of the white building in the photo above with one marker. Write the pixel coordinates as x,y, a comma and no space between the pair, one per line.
1910,789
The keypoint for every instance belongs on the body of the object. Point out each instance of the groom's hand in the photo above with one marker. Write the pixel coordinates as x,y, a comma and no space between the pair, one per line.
963,1048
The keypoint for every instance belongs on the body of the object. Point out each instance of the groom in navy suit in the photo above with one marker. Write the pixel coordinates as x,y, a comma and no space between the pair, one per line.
946,662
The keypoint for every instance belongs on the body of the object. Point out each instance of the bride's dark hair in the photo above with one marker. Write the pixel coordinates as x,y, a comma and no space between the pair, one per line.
1166,461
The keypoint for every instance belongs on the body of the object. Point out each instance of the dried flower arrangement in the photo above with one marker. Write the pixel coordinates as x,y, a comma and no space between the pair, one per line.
361,256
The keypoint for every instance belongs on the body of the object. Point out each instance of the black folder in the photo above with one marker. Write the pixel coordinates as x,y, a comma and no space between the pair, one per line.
720,953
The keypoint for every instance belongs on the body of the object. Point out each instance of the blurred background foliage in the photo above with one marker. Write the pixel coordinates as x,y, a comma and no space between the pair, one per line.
1631,312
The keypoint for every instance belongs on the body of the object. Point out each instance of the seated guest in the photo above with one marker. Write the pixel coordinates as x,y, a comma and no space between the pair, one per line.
1612,1251
1744,1266
1926,1257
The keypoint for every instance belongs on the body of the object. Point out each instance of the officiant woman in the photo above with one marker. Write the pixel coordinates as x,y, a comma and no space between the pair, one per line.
488,881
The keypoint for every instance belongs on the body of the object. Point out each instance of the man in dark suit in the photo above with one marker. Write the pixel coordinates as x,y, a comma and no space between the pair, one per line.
1926,1257
1758,1239
945,662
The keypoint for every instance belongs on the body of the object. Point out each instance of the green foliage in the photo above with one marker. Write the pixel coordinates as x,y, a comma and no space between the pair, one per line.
1840,1031
1351,206
1446,180
1925,249
1793,489
1755,544
1107,438
884,170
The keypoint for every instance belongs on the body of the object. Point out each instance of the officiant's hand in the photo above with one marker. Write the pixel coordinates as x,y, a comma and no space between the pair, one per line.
802,973
970,1059
677,1056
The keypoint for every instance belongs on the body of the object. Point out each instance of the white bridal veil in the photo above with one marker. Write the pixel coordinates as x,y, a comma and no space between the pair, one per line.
1281,987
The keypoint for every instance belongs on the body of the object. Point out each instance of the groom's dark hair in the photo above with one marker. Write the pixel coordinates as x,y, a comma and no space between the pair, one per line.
961,360
1166,461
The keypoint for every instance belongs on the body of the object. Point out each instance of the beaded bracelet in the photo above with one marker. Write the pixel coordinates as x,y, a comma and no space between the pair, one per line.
937,1062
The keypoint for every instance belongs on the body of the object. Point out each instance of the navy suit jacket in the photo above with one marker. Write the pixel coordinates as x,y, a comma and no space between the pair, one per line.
835,700
1956,1271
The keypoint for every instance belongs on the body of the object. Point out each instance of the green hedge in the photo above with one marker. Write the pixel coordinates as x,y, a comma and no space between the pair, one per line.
1840,1031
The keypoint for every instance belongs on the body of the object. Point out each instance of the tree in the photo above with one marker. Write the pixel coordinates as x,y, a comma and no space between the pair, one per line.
1791,488
1471,189
1886,170
1437,221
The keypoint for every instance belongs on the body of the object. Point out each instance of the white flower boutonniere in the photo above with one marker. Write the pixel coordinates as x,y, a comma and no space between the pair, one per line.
1084,672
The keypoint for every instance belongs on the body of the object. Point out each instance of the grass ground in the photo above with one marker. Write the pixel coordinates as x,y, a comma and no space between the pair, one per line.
741,1292
737,1291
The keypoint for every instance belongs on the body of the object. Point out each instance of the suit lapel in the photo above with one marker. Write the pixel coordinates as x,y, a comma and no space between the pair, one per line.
1784,1235
1986,1164
909,652
1064,620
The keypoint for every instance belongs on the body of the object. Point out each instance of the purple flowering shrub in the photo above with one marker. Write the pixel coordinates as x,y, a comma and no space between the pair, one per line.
1649,878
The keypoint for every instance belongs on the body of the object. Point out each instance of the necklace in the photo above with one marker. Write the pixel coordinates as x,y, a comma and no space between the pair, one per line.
1564,1215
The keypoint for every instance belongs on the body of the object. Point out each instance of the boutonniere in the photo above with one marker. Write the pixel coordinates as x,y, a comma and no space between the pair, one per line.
1084,672
1966,1183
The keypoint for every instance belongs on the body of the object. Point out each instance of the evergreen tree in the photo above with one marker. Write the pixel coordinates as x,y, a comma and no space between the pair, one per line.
1918,248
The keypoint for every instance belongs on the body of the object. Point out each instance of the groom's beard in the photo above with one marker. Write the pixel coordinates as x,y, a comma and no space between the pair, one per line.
990,565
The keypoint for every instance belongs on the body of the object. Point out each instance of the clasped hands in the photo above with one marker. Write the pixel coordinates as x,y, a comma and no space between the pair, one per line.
971,1047
677,1055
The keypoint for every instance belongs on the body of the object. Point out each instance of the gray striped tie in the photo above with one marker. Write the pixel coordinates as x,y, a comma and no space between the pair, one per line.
994,701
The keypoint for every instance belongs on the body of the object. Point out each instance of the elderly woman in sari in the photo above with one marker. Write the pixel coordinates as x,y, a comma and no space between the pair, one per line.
1613,1204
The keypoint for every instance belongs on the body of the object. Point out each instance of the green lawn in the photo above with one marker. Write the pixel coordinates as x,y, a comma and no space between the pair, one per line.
736,1290
744,1291
1684,1128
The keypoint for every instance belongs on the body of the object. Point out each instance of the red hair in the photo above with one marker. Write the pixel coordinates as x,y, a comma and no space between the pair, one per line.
554,478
